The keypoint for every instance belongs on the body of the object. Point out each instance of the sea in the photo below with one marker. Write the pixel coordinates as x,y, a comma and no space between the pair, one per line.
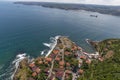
30,31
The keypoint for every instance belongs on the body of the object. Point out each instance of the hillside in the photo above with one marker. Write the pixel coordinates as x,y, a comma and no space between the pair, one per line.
108,66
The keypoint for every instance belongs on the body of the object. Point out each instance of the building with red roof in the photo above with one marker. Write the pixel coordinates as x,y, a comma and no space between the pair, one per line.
31,65
61,63
34,74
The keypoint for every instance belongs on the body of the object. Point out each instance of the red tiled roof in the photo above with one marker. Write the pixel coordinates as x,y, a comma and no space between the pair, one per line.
38,70
48,59
100,59
88,61
34,74
61,63
83,57
67,64
61,67
57,59
31,65
67,53
80,71
40,62
55,51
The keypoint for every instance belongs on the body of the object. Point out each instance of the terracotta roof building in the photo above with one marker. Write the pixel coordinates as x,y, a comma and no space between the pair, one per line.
57,59
88,61
82,57
61,63
31,65
34,74
38,70
80,71
40,62
67,64
55,51
48,59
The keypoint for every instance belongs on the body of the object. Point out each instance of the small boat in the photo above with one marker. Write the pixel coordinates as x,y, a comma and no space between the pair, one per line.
94,16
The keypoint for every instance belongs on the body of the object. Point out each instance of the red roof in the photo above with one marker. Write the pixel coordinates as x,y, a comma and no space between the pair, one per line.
40,62
48,59
80,71
67,53
61,67
100,59
31,65
55,51
88,61
34,74
67,64
57,59
83,57
61,63
38,70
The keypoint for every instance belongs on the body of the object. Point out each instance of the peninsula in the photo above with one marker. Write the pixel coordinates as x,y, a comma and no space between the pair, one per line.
68,61
112,10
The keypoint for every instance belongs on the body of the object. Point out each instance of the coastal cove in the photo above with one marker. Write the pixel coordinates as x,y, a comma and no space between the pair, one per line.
25,28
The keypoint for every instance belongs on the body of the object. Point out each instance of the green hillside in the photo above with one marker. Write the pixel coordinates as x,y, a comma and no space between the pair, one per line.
109,68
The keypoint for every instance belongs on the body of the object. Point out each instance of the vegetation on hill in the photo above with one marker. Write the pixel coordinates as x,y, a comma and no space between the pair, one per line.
109,68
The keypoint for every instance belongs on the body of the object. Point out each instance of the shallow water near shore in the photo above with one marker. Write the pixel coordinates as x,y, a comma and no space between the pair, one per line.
24,29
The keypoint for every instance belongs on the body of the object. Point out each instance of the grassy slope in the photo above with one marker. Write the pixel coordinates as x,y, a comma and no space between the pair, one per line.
109,69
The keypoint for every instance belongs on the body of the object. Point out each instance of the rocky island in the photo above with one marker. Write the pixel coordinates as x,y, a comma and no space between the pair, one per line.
68,61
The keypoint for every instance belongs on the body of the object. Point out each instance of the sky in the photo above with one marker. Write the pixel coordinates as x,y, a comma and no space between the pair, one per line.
99,2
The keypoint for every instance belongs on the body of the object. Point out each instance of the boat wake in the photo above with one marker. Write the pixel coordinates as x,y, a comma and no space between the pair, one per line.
51,45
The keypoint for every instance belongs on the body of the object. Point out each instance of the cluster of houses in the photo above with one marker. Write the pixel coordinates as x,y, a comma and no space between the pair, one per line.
60,69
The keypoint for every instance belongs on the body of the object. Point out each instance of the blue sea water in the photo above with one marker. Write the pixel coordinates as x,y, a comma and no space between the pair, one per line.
25,28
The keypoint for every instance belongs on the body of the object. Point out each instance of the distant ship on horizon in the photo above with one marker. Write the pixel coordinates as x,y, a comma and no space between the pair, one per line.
94,16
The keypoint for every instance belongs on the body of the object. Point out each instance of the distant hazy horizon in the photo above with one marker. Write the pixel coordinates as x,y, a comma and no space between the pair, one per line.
98,2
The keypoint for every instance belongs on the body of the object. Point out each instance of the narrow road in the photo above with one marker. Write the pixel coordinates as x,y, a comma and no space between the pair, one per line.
63,78
51,69
74,76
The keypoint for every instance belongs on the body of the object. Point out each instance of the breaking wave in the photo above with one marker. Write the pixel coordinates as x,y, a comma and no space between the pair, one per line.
50,45
16,62
11,70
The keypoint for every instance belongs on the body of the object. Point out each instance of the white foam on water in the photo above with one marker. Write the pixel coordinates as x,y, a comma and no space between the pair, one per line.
16,62
1,66
11,70
50,45
42,52
53,44
47,44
